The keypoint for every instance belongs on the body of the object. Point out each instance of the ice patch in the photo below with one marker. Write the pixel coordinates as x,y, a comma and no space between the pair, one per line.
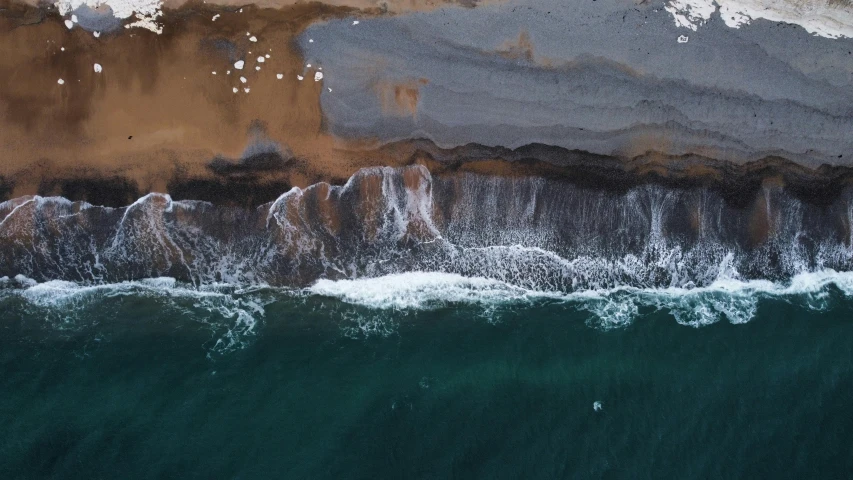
239,64
98,68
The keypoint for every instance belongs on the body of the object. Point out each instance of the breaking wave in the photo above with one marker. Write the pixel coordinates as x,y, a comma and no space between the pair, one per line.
401,239
724,299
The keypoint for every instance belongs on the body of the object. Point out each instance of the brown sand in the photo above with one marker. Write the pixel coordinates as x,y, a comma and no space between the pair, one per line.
156,110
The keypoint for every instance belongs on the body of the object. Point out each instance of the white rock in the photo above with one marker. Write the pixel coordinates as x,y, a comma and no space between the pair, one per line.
279,76
258,68
682,39
261,59
214,18
60,81
69,24
239,64
299,77
318,76
246,89
253,38
98,68
213,73
235,89
74,18
242,79
96,34
267,55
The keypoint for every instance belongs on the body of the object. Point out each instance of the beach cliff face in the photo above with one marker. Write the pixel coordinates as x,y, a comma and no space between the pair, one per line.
235,104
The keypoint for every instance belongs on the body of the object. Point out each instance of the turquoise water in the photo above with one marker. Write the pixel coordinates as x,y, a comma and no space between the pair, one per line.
268,384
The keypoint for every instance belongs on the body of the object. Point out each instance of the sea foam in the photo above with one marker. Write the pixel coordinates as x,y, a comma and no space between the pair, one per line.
726,298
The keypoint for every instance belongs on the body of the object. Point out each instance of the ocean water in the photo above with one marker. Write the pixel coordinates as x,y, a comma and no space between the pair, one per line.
409,326
426,375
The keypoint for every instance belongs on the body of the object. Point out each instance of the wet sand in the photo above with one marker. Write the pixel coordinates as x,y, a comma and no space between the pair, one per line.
157,110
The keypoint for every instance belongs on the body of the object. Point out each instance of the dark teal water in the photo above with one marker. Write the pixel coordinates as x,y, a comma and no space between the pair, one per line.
132,387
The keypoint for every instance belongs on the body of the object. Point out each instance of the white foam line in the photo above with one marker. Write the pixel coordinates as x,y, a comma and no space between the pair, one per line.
732,298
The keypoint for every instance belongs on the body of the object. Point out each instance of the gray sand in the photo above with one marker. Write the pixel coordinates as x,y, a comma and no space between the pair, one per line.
606,76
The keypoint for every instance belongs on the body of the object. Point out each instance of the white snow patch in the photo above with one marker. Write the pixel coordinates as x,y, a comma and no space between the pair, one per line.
98,68
60,81
242,79
318,76
824,18
279,76
299,77
214,18
261,60
69,24
253,38
146,12
239,64
682,39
